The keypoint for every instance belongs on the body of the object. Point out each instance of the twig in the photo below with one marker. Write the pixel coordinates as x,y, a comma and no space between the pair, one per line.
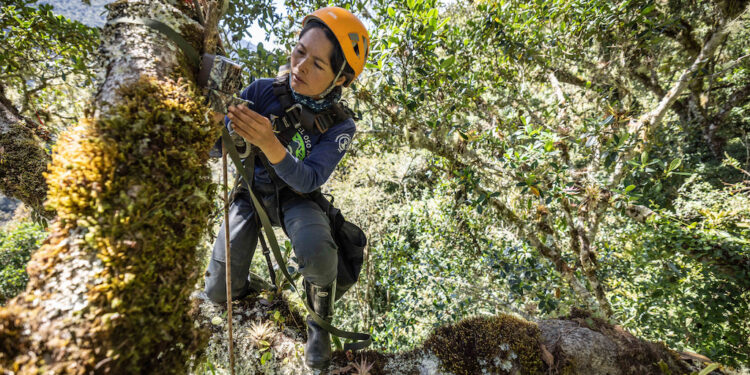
227,252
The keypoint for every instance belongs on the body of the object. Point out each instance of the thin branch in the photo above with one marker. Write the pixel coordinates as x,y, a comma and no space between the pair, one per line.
547,251
211,28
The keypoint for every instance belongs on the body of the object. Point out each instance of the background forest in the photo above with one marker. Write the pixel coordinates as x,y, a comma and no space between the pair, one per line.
522,157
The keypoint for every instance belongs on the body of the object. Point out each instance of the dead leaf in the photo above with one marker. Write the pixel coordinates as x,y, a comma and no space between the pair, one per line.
547,356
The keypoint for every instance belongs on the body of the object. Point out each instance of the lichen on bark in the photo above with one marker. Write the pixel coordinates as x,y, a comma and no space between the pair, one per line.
132,194
109,289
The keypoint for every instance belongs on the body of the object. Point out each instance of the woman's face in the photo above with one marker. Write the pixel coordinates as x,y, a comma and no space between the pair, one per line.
312,72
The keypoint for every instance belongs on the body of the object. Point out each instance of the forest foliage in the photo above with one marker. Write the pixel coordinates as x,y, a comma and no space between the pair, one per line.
508,161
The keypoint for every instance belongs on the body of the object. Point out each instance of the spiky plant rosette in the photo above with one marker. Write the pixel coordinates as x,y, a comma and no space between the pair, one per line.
132,192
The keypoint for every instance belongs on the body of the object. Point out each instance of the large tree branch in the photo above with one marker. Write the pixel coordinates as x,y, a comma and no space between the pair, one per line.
109,290
653,118
23,159
549,252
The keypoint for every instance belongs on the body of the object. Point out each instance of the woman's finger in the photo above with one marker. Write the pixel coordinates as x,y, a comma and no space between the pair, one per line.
240,114
240,121
248,133
253,117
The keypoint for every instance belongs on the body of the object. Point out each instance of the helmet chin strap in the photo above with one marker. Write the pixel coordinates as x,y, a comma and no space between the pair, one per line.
333,83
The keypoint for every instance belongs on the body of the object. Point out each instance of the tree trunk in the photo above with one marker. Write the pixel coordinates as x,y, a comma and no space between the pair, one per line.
109,289
23,159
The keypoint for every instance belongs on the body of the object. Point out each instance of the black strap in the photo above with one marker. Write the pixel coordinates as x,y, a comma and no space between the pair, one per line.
295,115
267,255
361,340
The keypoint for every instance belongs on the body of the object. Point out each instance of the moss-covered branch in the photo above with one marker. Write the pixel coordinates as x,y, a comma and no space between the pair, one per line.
109,289
271,335
23,159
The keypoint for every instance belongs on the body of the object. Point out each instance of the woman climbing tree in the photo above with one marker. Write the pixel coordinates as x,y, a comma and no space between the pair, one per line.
302,132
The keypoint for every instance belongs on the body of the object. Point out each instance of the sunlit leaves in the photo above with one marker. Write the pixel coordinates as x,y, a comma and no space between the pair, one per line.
42,52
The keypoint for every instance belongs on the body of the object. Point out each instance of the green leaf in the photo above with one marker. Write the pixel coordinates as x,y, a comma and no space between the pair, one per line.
549,146
265,357
448,62
391,12
443,22
644,157
674,164
708,369
629,188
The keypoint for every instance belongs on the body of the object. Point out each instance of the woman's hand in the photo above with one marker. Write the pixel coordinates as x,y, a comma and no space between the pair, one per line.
257,130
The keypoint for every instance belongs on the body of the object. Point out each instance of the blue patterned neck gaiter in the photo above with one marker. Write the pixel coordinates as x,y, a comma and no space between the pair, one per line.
318,105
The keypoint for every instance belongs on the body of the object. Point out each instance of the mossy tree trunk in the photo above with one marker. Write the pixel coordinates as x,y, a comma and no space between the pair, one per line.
23,159
109,289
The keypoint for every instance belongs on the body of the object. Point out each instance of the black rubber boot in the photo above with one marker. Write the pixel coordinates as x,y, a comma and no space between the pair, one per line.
318,346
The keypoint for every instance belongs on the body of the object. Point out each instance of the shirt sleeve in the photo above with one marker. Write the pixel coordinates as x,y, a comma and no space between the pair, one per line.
312,172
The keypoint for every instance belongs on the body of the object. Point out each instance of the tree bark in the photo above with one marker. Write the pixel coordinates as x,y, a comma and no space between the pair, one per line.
109,289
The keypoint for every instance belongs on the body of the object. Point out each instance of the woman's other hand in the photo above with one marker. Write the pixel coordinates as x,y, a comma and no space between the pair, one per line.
257,130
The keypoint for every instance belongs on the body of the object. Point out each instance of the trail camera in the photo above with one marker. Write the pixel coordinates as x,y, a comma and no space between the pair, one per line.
221,80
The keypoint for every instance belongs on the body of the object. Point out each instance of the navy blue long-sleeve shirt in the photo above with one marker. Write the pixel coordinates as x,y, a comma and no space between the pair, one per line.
310,158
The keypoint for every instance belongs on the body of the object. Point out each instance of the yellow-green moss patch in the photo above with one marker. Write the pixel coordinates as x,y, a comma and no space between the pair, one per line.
494,345
134,185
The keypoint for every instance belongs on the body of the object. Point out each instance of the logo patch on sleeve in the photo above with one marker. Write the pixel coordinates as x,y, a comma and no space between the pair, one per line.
297,147
344,140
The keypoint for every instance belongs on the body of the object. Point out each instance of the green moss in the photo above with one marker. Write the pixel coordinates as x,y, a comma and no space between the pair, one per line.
134,183
496,345
23,161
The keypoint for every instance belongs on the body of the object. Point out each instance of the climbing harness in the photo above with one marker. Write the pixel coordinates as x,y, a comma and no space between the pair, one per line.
221,78
362,340
296,116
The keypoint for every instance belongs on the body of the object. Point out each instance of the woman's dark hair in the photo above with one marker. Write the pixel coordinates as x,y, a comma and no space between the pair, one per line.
337,55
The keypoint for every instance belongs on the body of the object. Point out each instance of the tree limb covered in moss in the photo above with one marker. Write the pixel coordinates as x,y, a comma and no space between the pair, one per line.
109,289
23,160
502,344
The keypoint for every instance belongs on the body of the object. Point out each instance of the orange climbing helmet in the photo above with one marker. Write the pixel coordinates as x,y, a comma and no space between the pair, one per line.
349,31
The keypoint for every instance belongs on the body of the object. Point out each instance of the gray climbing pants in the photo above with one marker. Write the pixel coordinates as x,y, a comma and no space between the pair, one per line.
308,229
